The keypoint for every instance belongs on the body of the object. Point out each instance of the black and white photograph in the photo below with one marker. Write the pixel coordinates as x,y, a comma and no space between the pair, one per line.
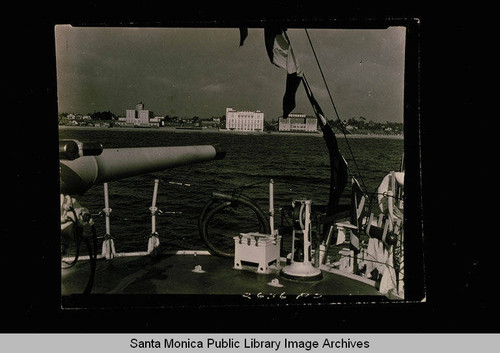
236,165
291,176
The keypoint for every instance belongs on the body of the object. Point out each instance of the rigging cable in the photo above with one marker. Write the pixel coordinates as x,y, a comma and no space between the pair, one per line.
335,109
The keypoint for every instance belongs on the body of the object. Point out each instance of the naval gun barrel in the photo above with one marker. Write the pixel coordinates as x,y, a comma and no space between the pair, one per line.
78,175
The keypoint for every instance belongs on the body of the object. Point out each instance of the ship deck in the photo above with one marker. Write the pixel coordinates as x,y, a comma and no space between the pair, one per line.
172,275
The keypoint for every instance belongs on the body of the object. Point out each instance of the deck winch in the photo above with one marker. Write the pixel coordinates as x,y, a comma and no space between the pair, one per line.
263,249
301,267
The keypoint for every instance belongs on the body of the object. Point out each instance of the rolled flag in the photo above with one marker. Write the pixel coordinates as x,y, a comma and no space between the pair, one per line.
292,83
338,165
281,54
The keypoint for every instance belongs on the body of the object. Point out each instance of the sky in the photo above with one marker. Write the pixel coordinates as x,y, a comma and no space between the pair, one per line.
189,72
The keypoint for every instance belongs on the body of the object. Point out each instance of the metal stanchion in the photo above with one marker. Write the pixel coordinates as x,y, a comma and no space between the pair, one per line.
154,241
108,245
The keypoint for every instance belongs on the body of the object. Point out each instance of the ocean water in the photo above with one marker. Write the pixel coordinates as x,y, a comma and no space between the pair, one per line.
298,164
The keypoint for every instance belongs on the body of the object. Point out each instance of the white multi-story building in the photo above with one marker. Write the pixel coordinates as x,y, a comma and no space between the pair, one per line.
298,123
138,116
244,120
157,121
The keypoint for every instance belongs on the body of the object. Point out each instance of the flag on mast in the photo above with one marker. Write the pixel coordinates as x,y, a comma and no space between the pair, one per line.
281,54
280,51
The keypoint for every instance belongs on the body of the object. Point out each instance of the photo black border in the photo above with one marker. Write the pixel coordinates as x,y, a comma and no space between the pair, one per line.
34,298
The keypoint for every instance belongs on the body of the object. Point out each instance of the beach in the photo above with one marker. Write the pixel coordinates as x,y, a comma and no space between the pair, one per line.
223,131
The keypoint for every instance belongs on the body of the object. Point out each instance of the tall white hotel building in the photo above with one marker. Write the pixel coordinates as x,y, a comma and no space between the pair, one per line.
244,120
138,116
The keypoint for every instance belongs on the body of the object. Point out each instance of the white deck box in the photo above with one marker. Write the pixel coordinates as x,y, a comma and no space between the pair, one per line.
256,248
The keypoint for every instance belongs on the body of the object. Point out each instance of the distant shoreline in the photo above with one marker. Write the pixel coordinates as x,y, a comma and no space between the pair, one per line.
172,129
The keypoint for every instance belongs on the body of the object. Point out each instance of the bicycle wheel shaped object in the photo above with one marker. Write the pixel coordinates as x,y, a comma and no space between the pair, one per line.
221,222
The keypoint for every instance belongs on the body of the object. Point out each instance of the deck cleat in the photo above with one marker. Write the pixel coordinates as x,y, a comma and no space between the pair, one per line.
198,269
275,283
